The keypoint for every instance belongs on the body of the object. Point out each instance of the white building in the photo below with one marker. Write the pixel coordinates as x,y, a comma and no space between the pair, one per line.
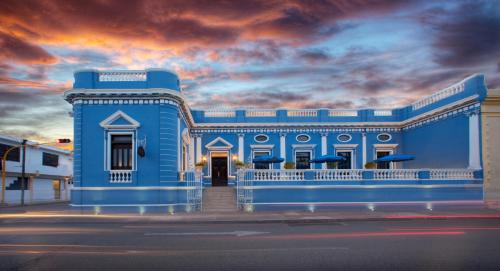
48,170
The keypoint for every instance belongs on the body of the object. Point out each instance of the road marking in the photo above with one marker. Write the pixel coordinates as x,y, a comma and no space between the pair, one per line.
235,233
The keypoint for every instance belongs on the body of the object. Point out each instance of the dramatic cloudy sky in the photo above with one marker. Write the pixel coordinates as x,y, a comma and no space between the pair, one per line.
266,54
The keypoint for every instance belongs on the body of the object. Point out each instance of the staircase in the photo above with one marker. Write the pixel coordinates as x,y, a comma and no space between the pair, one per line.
219,199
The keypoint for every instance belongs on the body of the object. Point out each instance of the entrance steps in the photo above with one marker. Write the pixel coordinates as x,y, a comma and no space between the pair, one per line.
219,199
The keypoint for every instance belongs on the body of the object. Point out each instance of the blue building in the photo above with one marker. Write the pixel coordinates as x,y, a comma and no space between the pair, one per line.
137,143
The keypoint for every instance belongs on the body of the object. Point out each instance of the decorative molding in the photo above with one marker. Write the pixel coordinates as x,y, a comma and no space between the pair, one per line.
263,146
108,122
303,146
215,141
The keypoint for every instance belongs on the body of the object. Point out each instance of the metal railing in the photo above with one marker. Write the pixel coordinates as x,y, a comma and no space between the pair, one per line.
193,181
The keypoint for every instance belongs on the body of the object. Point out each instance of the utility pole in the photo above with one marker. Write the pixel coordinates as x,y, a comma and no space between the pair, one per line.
23,171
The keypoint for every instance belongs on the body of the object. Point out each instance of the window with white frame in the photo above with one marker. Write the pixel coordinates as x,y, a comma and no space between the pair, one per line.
259,153
121,155
302,159
380,154
347,163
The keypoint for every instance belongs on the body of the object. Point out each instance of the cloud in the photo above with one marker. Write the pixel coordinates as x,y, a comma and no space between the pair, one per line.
467,35
19,50
314,56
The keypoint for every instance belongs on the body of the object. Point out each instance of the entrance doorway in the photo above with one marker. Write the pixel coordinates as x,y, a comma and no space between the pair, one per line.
219,171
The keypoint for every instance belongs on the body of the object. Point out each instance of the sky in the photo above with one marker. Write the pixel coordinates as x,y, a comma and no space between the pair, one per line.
231,54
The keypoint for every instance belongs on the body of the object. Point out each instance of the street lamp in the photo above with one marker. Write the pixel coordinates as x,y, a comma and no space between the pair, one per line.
23,165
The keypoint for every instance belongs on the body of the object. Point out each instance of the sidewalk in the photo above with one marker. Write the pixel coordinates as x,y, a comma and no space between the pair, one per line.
63,211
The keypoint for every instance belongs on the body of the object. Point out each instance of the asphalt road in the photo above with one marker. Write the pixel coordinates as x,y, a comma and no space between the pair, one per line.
66,244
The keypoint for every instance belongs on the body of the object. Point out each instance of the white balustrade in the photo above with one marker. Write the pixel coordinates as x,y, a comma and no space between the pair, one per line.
120,176
220,113
379,113
278,175
302,113
338,174
260,113
395,174
118,76
342,113
452,174
447,92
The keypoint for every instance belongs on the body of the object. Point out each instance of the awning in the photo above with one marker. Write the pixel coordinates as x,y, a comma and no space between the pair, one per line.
395,158
328,159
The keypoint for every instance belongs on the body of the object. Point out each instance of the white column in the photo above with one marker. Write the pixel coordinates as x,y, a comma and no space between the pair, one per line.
282,149
191,152
241,147
474,154
363,146
323,148
178,144
198,148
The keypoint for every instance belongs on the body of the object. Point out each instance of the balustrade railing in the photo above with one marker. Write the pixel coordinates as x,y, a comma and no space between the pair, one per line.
445,93
338,174
121,76
120,176
354,174
195,189
395,174
446,174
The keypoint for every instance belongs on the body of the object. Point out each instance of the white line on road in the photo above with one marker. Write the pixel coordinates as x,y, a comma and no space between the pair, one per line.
235,233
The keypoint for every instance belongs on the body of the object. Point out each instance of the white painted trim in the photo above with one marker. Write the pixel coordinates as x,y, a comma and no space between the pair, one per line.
474,142
228,158
363,142
269,151
308,138
323,148
219,139
311,156
241,147
179,139
108,148
390,137
107,123
361,186
382,149
338,138
198,149
347,148
255,138
303,146
103,188
283,150
387,146
268,146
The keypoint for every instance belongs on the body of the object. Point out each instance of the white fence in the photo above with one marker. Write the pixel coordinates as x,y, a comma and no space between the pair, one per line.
195,190
353,174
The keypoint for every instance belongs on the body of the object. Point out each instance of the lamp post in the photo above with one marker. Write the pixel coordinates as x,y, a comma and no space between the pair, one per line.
23,165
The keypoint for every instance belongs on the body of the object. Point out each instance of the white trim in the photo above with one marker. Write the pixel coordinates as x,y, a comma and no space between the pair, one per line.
345,146
311,156
303,146
344,141
108,148
363,142
179,142
228,158
390,137
219,139
324,147
361,186
198,149
474,142
264,141
241,147
387,146
269,151
267,146
283,150
107,123
390,150
305,141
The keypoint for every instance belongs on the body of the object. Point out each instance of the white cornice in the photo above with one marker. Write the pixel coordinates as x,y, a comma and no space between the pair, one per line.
108,122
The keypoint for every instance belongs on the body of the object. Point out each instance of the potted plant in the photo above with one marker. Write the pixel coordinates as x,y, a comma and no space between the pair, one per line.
200,165
370,165
331,165
289,165
239,164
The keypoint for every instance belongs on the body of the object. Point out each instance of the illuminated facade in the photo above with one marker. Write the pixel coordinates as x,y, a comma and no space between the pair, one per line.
137,142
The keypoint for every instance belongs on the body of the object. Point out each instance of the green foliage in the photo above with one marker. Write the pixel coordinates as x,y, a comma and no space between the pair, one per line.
331,165
240,164
289,165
